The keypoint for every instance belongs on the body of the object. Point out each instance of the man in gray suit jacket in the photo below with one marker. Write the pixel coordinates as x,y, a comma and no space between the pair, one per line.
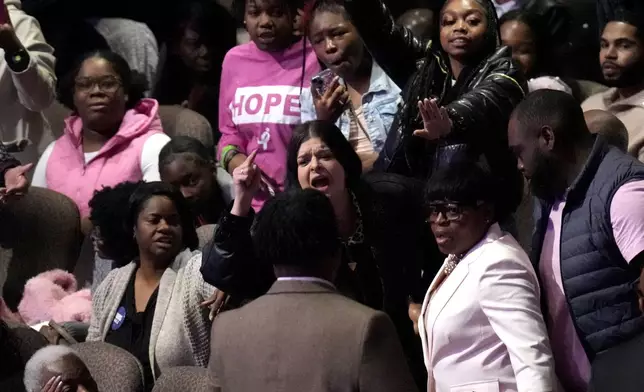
303,335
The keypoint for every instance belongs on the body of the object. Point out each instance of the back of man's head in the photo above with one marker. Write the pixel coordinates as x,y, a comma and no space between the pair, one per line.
554,109
297,229
609,126
51,361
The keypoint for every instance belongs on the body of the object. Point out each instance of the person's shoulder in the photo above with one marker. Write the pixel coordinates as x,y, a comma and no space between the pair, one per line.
503,252
238,52
390,183
595,101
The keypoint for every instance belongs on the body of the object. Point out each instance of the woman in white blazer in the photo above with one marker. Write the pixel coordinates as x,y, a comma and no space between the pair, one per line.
480,324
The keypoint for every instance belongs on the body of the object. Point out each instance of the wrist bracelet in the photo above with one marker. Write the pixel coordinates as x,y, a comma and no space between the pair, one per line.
227,154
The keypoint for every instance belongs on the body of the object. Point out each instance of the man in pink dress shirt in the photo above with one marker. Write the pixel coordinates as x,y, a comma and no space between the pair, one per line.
589,236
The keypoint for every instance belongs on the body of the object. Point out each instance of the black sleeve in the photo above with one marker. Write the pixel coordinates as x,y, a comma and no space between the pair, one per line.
7,161
229,262
489,103
393,47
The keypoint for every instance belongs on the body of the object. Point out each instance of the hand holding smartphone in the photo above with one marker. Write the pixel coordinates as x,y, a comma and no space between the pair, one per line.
330,95
322,81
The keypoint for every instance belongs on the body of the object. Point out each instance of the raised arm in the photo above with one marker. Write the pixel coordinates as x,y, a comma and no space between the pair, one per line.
35,79
229,262
393,47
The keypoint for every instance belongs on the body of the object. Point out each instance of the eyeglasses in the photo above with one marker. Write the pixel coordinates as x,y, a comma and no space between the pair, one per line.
451,211
108,84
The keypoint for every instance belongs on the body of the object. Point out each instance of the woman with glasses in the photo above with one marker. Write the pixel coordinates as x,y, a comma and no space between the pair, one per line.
480,324
112,135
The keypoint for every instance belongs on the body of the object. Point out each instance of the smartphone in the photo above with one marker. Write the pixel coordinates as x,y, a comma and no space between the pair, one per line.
322,81
4,14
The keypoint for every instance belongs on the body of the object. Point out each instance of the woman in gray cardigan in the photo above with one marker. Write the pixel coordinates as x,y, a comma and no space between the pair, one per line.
151,306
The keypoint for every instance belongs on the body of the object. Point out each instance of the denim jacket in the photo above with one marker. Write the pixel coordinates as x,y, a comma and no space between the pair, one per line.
379,106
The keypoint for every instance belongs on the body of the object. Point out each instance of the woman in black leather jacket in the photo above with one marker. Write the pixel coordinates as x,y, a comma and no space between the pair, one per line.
465,71
380,217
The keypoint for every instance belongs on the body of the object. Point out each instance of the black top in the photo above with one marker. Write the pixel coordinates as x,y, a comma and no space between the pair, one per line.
132,333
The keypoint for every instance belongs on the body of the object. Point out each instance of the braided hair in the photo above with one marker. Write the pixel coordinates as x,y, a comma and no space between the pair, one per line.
430,79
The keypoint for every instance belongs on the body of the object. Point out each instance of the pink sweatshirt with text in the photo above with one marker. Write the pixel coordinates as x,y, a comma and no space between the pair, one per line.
259,104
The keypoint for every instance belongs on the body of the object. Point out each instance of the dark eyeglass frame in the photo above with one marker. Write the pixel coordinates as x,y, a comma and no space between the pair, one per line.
106,84
452,211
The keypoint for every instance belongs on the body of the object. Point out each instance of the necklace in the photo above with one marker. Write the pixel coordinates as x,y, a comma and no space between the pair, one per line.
358,235
451,263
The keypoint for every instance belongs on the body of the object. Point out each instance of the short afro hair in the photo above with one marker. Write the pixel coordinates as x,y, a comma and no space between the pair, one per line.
296,228
109,212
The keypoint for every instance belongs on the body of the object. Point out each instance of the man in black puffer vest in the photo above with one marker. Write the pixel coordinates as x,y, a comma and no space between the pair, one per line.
588,244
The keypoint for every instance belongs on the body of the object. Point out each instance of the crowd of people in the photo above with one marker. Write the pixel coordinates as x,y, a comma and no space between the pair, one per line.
357,219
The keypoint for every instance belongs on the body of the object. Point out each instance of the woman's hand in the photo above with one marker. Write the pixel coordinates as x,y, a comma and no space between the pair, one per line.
246,181
55,384
330,106
435,120
414,314
216,302
16,184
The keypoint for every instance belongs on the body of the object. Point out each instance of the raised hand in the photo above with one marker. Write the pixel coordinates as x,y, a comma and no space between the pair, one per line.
332,103
246,181
16,184
436,121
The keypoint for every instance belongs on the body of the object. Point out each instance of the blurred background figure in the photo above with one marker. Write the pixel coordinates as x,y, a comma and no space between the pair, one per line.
621,57
27,83
58,368
420,21
609,126
202,33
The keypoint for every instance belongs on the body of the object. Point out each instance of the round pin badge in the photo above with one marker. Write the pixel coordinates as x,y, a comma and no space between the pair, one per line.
119,318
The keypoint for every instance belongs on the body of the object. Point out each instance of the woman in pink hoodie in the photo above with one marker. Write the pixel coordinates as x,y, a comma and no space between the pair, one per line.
113,134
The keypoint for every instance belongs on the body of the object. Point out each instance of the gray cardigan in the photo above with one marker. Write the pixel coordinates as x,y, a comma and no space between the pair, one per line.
180,333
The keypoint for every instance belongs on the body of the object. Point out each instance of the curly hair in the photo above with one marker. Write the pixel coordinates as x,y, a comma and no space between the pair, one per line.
114,210
134,83
109,212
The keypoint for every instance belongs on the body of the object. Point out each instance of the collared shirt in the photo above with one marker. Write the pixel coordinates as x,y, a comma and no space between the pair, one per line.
379,107
627,218
630,111
305,279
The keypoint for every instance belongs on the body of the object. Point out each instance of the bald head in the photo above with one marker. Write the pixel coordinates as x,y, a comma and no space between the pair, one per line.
555,110
608,125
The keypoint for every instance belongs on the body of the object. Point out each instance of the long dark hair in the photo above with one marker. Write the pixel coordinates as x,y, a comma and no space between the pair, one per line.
337,143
